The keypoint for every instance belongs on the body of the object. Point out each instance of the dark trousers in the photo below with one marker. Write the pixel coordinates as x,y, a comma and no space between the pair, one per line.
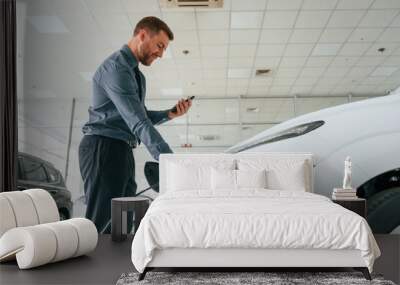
108,170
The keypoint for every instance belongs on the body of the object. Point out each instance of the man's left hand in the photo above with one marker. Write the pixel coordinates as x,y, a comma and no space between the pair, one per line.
182,107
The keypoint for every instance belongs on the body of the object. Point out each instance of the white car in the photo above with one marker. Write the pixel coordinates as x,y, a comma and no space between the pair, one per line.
368,131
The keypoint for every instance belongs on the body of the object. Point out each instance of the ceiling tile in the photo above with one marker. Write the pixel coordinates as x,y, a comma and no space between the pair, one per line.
180,20
312,71
384,71
392,61
305,35
386,4
336,71
288,72
276,36
103,5
49,24
177,51
293,61
328,81
244,36
238,82
301,89
345,18
396,22
239,72
214,73
242,50
215,83
390,35
140,5
214,51
240,62
326,49
370,61
374,79
354,49
319,4
357,72
260,81
284,81
182,37
335,35
239,5
267,62
270,50
298,49
353,4
319,61
365,35
306,80
213,20
284,4
279,19
389,49
215,63
213,37
378,18
279,90
312,19
113,22
345,61
246,20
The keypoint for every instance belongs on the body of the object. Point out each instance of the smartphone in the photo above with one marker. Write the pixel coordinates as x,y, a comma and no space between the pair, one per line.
173,110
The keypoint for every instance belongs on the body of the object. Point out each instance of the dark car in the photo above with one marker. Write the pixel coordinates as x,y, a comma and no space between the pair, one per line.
34,172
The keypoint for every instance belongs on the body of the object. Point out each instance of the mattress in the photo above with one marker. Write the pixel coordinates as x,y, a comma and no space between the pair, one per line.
251,219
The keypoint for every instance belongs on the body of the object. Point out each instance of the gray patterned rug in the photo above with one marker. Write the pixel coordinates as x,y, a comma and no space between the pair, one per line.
243,278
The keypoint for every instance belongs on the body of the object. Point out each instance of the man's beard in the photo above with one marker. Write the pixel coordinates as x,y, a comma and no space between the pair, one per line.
145,60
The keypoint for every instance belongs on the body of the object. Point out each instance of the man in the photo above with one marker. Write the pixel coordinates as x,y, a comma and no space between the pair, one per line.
119,120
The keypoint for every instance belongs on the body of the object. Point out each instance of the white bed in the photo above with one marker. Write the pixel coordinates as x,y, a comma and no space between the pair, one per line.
202,220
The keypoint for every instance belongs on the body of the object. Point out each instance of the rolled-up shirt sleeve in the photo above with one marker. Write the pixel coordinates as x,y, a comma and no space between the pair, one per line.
123,92
157,117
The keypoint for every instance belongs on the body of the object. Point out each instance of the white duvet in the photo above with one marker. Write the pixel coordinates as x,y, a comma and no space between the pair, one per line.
250,219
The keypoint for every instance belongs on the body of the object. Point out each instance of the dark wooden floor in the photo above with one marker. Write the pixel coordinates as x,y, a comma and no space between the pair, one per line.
102,266
110,260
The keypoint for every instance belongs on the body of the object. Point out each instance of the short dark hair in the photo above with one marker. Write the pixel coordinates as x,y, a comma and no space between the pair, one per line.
154,25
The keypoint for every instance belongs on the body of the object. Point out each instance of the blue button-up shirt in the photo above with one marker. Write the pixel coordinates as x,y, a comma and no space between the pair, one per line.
118,109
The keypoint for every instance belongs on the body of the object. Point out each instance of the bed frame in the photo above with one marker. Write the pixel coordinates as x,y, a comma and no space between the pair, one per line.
246,258
242,259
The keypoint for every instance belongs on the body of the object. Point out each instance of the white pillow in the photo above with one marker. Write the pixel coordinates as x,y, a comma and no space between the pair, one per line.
282,174
223,179
183,177
194,174
251,178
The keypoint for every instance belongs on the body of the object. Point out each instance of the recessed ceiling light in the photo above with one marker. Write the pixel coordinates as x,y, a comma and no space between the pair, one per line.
382,49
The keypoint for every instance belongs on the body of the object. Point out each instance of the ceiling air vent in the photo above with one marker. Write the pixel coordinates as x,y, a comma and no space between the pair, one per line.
263,72
252,110
192,3
209,137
